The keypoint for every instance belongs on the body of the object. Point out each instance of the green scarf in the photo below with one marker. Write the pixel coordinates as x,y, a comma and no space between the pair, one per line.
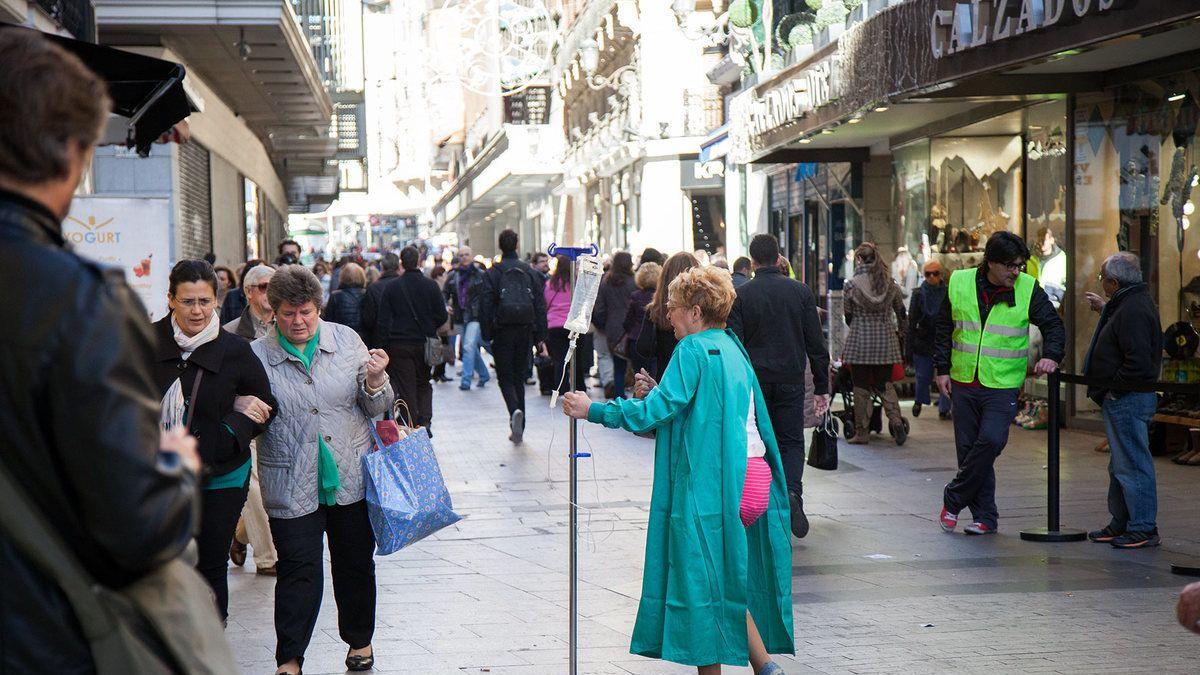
328,480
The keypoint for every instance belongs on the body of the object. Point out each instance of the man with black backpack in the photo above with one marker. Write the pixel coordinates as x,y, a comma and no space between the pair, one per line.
514,320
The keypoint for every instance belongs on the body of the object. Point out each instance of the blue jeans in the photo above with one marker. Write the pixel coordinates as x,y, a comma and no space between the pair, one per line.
472,358
923,365
1132,493
982,418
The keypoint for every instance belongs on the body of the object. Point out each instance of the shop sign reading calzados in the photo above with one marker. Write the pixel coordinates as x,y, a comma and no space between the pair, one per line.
980,22
817,85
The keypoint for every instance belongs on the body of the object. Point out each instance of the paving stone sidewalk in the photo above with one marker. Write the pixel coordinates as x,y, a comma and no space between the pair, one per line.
878,588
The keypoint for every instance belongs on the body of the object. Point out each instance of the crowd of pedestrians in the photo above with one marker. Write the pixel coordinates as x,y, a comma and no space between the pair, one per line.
240,418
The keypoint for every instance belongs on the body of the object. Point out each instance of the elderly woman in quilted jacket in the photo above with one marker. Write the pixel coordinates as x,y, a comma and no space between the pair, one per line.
327,386
874,309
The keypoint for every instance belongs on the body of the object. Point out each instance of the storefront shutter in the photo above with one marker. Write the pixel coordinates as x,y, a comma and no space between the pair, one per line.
195,201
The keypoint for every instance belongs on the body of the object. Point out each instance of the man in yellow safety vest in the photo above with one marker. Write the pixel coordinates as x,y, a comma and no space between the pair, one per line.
982,346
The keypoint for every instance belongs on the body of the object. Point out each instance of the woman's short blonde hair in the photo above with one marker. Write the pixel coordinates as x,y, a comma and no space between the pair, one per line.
647,276
711,288
352,276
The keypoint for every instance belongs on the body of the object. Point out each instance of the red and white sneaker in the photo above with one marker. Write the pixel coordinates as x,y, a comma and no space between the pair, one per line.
979,528
948,520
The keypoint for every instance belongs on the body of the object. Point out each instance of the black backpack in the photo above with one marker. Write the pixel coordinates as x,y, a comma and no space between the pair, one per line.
515,297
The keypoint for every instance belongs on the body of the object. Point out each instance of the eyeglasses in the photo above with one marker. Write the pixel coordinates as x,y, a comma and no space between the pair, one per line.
1015,267
933,274
202,303
262,287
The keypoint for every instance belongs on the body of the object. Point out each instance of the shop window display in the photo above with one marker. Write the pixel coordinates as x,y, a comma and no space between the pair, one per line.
1136,177
1045,197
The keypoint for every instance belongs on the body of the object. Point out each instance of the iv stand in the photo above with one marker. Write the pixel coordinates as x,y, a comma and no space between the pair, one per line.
573,252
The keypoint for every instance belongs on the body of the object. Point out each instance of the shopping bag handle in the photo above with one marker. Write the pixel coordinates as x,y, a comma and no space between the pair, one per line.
407,418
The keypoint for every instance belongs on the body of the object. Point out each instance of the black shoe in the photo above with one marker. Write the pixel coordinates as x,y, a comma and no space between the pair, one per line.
360,663
899,431
943,416
799,520
1137,540
1104,536
916,410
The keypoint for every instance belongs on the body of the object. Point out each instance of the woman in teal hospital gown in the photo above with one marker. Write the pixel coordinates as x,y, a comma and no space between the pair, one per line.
713,591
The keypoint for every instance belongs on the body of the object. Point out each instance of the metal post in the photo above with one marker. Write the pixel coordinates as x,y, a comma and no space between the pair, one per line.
1052,532
572,521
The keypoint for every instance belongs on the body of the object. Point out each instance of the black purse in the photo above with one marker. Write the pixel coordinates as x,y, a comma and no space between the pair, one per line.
823,450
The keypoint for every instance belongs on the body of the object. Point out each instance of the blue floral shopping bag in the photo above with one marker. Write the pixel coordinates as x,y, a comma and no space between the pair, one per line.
406,497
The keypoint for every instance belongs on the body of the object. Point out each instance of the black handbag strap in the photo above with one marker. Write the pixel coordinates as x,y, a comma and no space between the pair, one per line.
411,309
191,402
42,545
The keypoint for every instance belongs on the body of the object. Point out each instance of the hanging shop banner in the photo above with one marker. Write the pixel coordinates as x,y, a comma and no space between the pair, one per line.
133,235
979,22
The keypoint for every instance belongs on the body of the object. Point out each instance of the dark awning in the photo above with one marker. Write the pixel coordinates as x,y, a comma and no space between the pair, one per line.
147,90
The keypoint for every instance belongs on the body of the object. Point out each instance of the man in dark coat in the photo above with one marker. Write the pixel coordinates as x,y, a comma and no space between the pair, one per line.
776,319
409,310
78,406
1126,350
514,319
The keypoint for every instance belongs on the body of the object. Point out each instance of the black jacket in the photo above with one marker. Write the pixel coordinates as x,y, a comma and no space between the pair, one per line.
491,297
345,307
1127,345
234,305
370,307
922,326
405,309
230,370
1041,314
474,277
776,319
79,429
612,306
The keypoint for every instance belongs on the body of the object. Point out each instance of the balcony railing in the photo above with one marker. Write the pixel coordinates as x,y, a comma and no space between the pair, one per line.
77,16
703,111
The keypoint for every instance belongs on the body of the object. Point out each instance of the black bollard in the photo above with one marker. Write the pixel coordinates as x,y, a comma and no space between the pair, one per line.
1052,532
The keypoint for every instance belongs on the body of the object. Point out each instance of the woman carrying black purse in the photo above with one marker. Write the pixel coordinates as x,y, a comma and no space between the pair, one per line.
212,383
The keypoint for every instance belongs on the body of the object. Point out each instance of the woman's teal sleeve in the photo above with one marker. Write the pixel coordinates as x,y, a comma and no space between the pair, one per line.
664,402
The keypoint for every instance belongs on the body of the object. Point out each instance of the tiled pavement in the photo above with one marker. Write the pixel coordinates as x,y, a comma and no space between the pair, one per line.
878,587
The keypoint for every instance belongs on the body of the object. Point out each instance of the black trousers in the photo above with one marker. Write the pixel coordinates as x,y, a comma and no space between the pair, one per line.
558,343
298,588
219,512
785,405
410,380
982,418
510,349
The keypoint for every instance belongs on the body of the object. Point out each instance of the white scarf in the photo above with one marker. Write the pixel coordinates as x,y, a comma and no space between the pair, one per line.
173,406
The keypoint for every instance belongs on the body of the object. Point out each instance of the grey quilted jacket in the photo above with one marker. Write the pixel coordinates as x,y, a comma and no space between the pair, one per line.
332,403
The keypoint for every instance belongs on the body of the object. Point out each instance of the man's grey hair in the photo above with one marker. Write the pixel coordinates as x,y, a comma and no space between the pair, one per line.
295,285
1123,268
390,262
258,274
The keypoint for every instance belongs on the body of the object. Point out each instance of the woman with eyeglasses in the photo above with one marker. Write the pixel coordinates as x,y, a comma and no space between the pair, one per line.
923,310
212,383
874,310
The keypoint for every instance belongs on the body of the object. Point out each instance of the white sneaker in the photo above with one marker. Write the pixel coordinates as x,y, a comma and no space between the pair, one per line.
517,425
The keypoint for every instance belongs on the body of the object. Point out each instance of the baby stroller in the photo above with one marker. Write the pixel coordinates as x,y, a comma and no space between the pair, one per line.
844,387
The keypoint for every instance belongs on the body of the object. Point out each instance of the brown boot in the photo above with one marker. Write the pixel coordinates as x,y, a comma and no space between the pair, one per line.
897,425
862,416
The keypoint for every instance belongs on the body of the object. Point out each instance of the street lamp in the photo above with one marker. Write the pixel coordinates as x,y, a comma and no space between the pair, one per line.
622,79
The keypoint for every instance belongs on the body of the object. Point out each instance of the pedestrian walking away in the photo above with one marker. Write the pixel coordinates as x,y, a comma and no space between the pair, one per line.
345,304
717,581
80,413
410,309
874,311
514,319
646,279
209,380
328,387
776,319
982,347
923,311
608,316
657,338
1126,349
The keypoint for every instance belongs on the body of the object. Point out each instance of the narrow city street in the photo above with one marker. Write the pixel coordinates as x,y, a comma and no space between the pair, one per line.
878,588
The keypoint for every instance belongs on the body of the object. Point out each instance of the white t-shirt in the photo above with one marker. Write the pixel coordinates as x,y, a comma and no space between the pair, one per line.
754,443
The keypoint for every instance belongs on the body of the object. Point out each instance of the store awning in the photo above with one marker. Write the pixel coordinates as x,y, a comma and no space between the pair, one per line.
147,91
716,145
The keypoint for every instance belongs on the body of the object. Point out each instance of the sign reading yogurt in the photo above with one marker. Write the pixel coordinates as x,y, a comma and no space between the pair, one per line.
130,234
